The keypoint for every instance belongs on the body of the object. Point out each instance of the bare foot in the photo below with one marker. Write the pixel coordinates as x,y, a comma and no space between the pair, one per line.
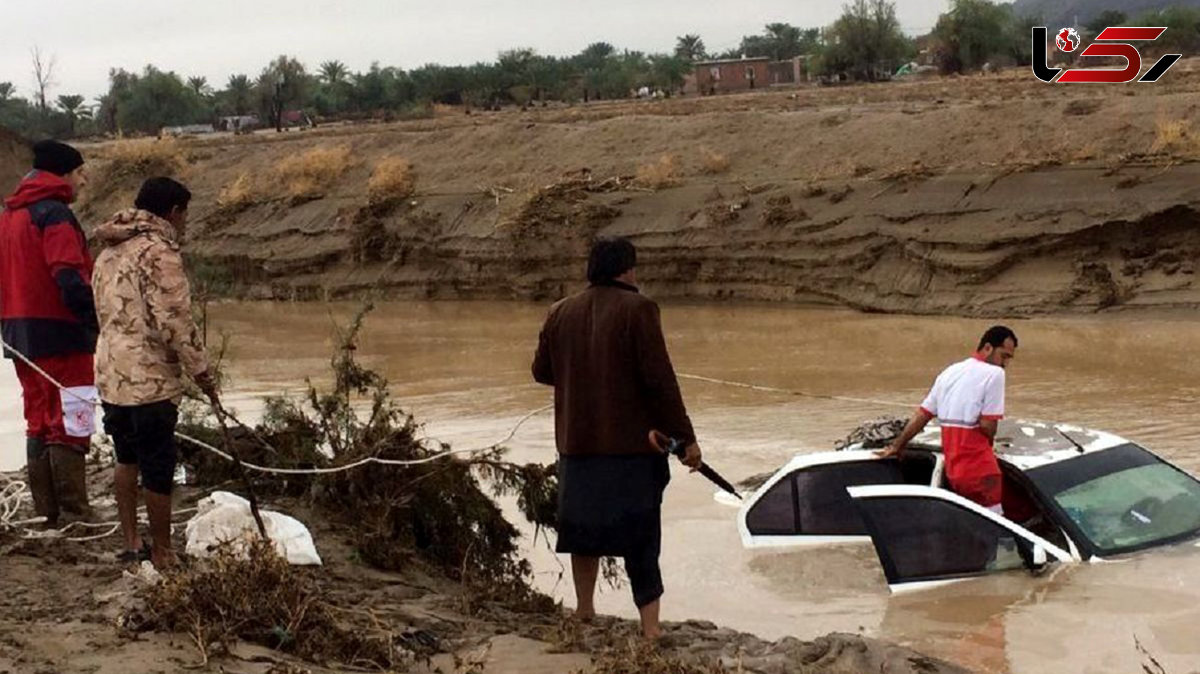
585,616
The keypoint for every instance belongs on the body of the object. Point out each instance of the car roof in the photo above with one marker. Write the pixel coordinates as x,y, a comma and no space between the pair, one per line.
1030,444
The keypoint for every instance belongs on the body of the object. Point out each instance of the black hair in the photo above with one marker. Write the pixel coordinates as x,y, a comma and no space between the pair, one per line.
160,196
996,335
610,257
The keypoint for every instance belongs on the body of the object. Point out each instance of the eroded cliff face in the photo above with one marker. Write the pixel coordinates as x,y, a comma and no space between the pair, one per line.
1042,241
981,196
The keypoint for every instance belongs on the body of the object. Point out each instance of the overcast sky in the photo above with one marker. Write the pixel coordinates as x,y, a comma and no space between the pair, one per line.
215,38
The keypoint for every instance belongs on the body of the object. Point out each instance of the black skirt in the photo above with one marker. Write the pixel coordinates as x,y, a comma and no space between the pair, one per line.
610,506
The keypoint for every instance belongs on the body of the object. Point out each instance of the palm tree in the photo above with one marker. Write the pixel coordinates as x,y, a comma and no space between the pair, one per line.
784,40
70,105
239,89
690,48
199,85
333,72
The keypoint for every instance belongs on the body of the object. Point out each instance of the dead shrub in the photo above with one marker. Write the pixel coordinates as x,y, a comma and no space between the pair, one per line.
310,175
712,162
435,511
372,241
392,181
659,174
638,656
259,598
724,214
123,165
1172,136
143,158
239,194
780,211
566,207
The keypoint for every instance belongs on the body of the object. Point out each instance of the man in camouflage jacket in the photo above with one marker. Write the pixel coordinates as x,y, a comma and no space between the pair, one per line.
148,343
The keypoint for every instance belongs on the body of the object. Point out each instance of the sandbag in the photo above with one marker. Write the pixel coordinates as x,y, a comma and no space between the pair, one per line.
224,517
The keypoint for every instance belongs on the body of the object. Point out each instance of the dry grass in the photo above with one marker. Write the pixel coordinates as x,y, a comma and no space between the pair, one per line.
144,158
312,174
262,599
712,162
239,194
659,174
639,657
1172,136
392,181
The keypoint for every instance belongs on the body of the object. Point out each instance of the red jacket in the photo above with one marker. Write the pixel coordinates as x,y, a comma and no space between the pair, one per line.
46,304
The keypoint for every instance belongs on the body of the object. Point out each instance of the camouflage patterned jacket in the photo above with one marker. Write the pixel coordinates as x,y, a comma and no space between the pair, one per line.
148,339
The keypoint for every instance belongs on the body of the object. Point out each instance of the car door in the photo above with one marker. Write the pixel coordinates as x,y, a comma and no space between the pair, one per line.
927,536
806,502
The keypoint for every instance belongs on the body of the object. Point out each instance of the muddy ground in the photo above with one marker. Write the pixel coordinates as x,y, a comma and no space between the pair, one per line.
65,604
980,195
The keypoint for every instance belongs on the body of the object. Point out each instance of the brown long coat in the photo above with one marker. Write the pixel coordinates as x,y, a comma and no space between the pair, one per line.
603,352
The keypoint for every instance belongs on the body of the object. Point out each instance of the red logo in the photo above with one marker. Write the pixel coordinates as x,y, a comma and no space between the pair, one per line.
1116,44
1067,39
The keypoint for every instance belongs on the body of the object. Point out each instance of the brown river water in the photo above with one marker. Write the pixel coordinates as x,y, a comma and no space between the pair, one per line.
463,370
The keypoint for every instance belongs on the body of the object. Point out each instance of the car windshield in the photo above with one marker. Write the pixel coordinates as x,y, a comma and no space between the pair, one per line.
1124,498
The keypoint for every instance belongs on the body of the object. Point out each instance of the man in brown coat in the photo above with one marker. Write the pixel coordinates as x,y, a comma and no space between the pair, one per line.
603,352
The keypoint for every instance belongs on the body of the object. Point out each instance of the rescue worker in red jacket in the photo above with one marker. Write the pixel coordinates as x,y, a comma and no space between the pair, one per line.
48,315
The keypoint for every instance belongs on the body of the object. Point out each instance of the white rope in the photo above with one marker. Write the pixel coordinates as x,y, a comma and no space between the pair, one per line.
370,459
14,493
297,471
805,394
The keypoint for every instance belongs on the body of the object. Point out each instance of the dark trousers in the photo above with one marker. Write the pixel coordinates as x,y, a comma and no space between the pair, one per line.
144,435
611,506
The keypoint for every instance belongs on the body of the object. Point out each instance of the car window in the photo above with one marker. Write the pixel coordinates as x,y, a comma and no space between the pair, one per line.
922,538
1123,499
775,513
1134,506
814,501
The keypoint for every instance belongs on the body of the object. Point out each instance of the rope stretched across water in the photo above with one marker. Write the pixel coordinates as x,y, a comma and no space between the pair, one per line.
14,492
792,392
293,471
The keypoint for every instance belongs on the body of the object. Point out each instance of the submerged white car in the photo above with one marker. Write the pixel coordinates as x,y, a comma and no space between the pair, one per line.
1071,495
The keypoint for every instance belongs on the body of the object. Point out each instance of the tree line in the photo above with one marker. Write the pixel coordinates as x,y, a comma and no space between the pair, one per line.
865,43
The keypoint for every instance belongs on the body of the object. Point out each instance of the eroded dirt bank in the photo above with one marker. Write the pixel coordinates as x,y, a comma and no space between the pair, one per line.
979,195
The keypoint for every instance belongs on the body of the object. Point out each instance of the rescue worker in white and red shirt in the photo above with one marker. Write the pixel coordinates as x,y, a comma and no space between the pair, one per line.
968,400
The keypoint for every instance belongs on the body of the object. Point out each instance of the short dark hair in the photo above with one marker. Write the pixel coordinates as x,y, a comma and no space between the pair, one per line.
610,257
996,335
160,196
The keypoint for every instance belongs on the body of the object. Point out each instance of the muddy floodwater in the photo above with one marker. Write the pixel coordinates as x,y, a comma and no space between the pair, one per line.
463,369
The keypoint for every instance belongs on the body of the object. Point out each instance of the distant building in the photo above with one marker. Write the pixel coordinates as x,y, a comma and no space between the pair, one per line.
239,123
792,71
725,75
187,130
